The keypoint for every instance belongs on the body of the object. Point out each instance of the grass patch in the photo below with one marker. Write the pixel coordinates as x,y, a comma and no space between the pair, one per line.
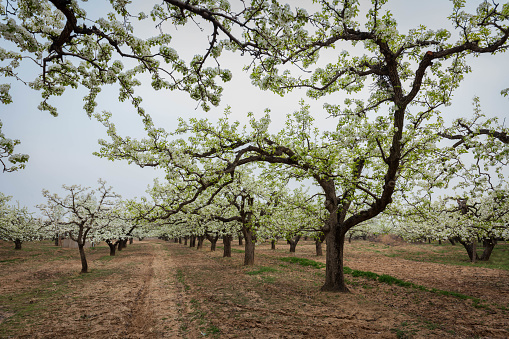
453,255
303,262
388,279
261,270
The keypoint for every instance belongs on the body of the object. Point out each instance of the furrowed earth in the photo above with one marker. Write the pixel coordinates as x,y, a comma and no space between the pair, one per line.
158,289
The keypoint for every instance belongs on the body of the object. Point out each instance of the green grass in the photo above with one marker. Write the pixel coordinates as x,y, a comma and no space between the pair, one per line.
453,255
262,269
303,262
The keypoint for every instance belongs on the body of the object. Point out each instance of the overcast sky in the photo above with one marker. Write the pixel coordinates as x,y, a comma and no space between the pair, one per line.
61,148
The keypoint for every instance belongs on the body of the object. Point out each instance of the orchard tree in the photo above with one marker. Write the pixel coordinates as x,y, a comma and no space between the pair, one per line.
87,211
53,217
9,160
484,218
381,142
17,224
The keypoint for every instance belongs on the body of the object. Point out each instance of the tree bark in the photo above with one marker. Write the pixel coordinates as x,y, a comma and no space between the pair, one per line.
122,244
180,240
471,249
131,241
192,241
249,247
200,242
113,247
227,246
213,241
489,245
17,244
57,238
318,247
84,264
185,241
293,243
334,276
273,245
240,240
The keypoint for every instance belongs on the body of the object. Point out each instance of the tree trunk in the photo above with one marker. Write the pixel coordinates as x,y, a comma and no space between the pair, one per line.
318,246
489,245
200,242
131,241
273,245
471,249
180,240
334,276
213,241
192,241
113,247
249,247
293,243
185,241
84,264
57,238
240,240
227,243
17,244
122,243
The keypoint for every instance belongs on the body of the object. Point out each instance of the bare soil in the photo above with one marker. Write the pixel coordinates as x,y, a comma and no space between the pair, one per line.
156,289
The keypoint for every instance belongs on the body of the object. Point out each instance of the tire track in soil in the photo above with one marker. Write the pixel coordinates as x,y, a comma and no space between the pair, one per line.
139,317
155,310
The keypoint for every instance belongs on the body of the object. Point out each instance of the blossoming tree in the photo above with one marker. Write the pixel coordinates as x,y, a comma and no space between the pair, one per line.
87,212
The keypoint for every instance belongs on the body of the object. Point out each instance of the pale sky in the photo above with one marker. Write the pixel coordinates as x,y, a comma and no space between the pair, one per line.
61,148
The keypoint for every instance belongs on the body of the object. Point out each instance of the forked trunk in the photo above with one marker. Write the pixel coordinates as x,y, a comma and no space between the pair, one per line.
471,249
293,243
334,276
249,247
84,265
489,245
227,243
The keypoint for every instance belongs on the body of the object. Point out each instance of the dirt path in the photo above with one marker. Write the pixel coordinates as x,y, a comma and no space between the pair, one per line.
131,295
